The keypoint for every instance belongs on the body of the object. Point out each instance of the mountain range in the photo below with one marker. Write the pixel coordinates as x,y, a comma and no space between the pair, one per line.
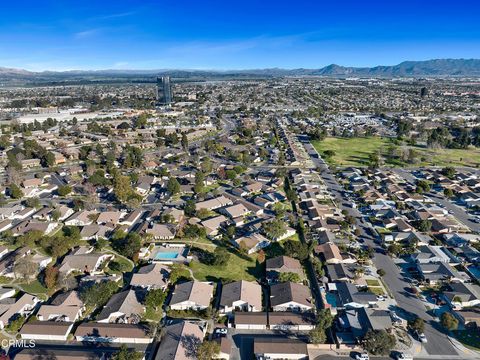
436,67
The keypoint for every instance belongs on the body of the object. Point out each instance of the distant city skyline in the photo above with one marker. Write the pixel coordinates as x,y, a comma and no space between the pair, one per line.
212,35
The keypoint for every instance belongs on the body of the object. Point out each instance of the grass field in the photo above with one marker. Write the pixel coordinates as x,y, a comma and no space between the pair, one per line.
238,268
356,152
371,282
34,287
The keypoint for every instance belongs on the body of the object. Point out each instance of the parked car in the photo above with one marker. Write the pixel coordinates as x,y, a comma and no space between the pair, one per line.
221,331
362,356
422,337
403,356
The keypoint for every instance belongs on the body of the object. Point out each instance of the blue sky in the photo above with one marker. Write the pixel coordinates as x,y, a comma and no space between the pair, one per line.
231,34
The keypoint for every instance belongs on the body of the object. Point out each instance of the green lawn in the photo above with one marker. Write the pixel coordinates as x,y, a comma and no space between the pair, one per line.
351,151
376,290
371,282
356,151
153,315
239,267
34,287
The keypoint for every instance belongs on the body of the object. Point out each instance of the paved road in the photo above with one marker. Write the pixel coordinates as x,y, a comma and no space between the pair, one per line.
459,212
438,343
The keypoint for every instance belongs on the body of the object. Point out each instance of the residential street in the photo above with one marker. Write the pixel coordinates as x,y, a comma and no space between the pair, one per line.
438,343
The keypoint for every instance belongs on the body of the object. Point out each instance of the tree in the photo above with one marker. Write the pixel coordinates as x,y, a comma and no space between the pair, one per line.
231,174
425,225
155,298
395,249
274,229
64,190
124,353
379,342
422,186
261,256
449,321
189,208
178,272
173,186
448,193
206,165
317,336
418,324
127,244
381,272
449,172
33,202
296,249
324,319
98,294
329,154
122,188
184,142
25,268
289,276
374,161
199,186
207,350
50,277
221,256
15,192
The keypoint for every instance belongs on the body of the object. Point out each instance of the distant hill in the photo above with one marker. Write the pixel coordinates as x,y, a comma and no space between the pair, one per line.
437,67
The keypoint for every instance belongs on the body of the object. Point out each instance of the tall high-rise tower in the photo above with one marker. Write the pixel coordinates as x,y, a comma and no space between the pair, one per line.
164,90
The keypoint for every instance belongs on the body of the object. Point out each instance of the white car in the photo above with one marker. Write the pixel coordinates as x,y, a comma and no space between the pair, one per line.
381,298
403,356
422,337
363,356
221,331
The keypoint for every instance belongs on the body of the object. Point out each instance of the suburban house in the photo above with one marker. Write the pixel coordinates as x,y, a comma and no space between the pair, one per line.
194,295
251,320
81,218
214,203
151,276
180,341
434,273
279,348
46,330
241,296
289,296
290,321
162,231
282,264
461,295
65,307
341,272
11,307
330,253
115,333
430,254
213,224
349,296
80,259
123,308
251,243
360,321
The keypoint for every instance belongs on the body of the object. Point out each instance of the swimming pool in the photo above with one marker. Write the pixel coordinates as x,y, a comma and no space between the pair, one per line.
331,299
166,255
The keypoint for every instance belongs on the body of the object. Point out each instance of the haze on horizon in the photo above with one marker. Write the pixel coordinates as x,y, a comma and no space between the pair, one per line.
240,35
